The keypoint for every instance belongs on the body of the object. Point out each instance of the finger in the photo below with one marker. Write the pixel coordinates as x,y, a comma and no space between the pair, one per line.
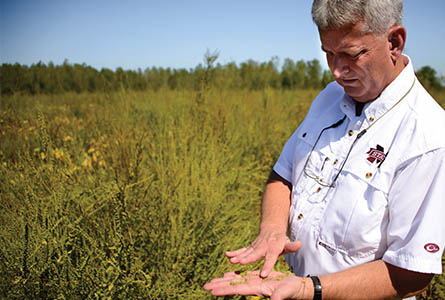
250,284
269,263
231,278
254,273
235,288
240,289
252,256
255,253
237,259
220,282
235,252
271,257
292,247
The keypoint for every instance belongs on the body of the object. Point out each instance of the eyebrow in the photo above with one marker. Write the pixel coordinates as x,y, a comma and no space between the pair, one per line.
345,49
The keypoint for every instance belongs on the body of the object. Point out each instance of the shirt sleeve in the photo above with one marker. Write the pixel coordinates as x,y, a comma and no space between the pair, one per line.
416,229
284,164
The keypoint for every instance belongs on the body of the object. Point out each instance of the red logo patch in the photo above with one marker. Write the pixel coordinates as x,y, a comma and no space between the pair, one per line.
376,155
431,248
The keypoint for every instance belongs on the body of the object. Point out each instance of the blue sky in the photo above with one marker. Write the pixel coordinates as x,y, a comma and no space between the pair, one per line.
171,33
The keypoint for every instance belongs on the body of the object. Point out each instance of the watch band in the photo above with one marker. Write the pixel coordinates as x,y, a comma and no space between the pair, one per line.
317,287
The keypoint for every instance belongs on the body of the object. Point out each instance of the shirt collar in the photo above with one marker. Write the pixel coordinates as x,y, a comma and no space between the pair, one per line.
390,95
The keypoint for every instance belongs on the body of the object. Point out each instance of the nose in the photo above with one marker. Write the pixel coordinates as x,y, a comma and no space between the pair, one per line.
339,67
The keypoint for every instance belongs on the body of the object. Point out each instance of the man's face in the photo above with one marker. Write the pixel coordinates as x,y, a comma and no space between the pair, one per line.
361,63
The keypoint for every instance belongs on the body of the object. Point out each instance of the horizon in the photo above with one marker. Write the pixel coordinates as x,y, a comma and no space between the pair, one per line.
193,69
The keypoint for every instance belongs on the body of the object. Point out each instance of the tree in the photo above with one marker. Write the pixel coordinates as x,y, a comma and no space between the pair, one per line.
300,74
327,77
313,74
427,76
287,74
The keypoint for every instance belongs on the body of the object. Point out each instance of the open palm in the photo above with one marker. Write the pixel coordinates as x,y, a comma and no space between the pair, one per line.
276,286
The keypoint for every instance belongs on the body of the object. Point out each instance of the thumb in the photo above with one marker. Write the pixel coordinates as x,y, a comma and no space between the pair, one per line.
276,296
292,247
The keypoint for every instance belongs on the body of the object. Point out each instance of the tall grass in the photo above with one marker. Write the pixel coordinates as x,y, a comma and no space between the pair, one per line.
134,195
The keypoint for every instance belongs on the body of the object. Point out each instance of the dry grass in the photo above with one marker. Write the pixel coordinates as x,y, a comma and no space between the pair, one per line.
134,195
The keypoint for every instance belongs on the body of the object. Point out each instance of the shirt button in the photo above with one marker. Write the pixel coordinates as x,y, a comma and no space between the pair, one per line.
368,175
335,161
371,119
300,216
319,189
351,133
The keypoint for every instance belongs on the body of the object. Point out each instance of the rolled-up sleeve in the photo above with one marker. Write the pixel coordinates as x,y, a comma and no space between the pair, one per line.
284,164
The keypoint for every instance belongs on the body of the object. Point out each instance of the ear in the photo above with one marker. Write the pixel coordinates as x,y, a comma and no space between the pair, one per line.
396,42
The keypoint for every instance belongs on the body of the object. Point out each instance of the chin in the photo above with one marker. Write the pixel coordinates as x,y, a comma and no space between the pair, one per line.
354,92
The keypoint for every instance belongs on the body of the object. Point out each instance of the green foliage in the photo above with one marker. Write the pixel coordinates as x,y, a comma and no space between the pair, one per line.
133,195
49,79
428,77
136,195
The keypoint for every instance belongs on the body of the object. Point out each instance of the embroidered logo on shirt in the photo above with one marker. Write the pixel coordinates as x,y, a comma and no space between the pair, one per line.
376,155
431,248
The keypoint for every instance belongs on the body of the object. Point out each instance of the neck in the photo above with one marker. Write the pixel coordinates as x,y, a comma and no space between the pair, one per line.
399,65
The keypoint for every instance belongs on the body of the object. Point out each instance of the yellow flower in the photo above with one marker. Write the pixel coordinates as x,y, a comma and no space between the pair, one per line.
86,163
58,153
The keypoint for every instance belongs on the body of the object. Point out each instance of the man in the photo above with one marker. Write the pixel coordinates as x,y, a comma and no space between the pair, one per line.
356,199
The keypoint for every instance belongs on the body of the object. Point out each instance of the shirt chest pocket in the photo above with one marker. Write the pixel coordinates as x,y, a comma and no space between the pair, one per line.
315,160
355,218
304,143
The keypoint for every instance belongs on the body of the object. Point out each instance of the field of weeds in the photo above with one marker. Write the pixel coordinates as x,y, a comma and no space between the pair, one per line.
136,195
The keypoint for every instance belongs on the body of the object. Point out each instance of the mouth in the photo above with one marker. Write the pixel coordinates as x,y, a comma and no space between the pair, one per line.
348,82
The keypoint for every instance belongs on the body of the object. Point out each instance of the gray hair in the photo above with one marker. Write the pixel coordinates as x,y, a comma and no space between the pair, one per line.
377,15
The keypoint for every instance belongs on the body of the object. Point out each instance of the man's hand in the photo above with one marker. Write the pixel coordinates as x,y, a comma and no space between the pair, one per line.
269,245
277,286
272,240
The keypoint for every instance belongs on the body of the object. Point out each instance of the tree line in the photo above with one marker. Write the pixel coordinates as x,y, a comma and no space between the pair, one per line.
48,78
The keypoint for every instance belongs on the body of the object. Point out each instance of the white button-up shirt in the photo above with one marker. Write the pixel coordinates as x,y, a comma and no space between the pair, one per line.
387,199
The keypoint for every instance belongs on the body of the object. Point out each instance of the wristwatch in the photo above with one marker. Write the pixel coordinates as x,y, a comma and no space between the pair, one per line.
317,287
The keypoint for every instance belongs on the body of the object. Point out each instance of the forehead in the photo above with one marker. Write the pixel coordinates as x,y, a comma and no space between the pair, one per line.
345,38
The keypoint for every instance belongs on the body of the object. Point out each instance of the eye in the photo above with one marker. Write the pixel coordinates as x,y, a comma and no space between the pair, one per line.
357,55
